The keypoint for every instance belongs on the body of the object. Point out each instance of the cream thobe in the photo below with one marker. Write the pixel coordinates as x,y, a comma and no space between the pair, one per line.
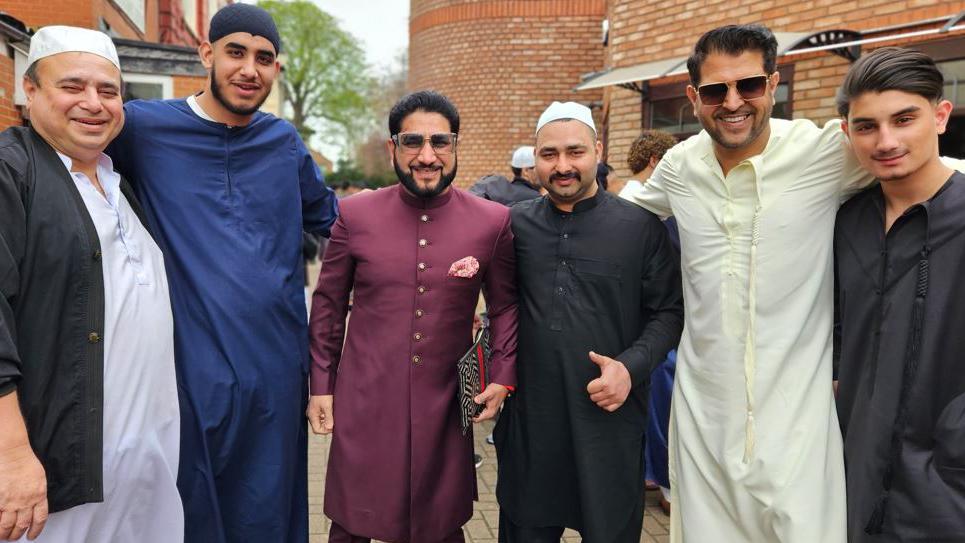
141,416
755,448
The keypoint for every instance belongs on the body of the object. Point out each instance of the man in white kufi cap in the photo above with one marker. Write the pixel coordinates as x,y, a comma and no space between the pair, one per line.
524,185
89,422
599,306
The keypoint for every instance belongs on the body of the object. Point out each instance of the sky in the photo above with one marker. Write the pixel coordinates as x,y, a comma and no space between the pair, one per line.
381,26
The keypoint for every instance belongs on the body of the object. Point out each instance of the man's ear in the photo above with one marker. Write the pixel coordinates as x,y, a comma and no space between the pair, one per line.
206,53
390,147
653,161
943,111
692,96
844,127
30,89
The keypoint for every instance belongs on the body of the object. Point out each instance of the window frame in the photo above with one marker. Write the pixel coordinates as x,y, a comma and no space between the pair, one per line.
166,82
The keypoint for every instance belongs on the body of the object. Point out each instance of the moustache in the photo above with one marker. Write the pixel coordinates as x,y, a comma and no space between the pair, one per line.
568,175
888,156
421,166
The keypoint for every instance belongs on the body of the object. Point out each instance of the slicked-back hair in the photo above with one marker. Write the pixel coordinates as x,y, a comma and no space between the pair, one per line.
427,101
733,40
891,68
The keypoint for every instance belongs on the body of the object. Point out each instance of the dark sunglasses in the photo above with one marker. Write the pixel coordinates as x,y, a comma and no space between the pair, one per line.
749,88
441,144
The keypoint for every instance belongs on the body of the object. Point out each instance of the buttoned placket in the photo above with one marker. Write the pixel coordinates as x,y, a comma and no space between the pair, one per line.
422,290
563,245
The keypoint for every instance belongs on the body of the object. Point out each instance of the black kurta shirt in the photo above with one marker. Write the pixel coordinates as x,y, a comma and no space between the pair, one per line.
878,276
604,278
52,315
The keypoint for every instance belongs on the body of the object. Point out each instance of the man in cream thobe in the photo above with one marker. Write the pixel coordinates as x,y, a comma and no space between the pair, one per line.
755,449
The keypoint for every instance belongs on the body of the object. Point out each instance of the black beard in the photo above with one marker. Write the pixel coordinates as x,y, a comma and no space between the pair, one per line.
237,110
408,181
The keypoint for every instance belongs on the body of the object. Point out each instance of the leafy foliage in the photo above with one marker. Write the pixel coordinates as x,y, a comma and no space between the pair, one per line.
325,77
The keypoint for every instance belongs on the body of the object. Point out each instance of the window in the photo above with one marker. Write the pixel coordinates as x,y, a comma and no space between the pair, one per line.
148,87
670,110
954,72
190,10
134,9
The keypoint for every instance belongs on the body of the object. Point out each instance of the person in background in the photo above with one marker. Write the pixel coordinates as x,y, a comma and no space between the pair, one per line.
645,153
523,186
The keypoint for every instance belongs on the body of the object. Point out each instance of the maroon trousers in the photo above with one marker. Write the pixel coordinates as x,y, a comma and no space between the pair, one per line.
337,534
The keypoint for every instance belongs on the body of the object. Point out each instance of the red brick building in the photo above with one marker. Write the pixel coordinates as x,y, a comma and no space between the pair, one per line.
157,43
503,61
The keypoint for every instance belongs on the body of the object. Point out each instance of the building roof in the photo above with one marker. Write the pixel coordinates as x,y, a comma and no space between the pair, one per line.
157,58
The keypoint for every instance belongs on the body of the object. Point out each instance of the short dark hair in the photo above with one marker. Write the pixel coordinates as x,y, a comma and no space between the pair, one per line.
651,143
31,73
425,100
891,68
733,40
516,171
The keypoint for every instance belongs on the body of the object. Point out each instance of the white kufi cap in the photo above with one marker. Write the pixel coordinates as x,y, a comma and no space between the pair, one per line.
53,40
523,157
566,110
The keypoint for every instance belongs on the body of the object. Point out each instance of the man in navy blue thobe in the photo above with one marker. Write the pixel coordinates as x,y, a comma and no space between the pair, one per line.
228,192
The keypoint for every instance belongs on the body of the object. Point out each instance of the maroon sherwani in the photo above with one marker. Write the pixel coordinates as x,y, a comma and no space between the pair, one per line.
399,468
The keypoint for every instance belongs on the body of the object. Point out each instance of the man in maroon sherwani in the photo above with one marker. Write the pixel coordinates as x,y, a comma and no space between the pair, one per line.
416,255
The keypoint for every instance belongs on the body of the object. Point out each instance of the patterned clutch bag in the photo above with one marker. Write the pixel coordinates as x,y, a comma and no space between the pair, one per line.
473,372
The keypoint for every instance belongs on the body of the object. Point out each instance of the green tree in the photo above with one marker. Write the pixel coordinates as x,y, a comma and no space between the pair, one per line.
370,154
325,77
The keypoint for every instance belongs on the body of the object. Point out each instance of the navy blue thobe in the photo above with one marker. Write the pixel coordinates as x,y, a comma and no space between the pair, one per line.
228,205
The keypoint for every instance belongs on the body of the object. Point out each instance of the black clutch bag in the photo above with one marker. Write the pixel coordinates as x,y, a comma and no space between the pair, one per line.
472,370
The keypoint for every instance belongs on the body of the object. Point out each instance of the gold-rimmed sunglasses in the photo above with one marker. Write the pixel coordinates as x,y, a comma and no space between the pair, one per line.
749,88
410,142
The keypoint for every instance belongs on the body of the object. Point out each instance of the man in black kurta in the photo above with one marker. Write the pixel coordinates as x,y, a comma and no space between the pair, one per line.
594,274
900,258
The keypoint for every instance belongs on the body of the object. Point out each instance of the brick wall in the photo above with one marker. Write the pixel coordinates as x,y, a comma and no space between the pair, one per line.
36,13
185,86
84,13
9,115
649,30
502,63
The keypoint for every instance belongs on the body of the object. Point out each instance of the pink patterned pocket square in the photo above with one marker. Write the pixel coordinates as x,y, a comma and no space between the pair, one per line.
464,267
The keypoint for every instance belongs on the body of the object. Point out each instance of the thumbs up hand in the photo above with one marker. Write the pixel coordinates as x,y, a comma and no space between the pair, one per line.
611,388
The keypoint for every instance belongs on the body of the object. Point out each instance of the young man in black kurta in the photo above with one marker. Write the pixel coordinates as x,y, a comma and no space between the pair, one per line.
600,305
900,257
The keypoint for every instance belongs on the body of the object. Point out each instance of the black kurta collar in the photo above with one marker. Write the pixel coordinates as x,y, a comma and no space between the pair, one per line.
425,203
581,206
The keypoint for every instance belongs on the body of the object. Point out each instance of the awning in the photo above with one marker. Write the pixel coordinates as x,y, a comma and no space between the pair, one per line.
629,75
632,74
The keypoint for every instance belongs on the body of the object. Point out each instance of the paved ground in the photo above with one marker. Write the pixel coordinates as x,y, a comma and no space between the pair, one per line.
482,527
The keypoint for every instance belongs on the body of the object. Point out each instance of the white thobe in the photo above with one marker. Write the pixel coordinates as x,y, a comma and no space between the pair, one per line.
141,417
755,447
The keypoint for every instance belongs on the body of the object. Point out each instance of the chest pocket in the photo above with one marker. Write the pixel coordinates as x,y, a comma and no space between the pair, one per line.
594,284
